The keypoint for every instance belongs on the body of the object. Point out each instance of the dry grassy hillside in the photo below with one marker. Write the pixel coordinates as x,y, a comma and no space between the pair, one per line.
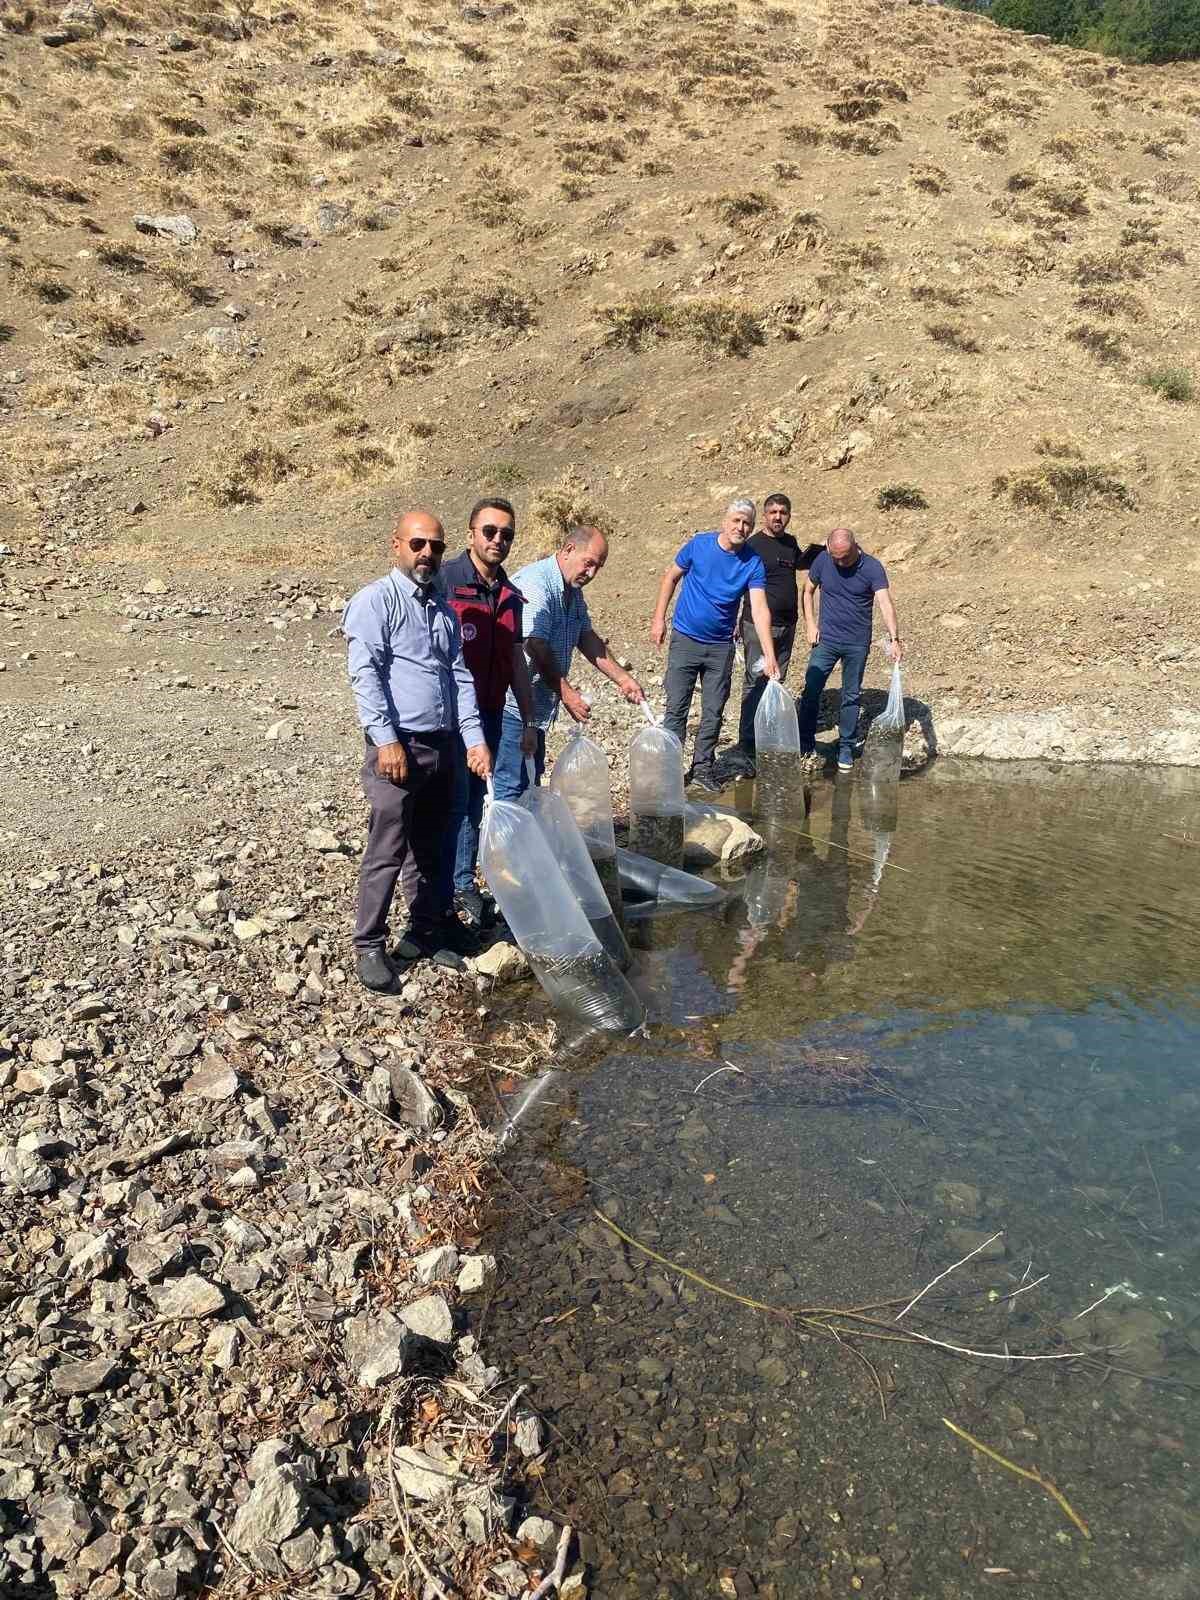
627,256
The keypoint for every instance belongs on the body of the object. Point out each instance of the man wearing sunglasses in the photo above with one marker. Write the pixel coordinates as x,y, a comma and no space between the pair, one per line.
490,613
415,701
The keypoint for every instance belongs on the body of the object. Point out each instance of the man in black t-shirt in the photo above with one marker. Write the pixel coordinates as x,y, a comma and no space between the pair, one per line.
784,560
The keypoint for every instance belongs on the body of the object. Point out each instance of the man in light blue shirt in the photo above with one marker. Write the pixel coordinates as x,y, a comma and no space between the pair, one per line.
717,570
414,697
556,625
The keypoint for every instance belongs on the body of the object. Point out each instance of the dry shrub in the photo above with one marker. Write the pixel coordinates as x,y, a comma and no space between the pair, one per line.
1105,344
99,153
360,135
954,337
635,323
64,189
565,503
185,286
929,179
1113,266
1106,302
737,209
105,321
490,305
199,157
1059,449
865,141
722,326
803,133
862,254
362,463
316,402
1062,488
936,294
52,392
39,280
239,477
492,201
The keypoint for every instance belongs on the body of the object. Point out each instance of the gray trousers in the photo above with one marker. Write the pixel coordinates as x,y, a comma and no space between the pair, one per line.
405,838
712,664
784,635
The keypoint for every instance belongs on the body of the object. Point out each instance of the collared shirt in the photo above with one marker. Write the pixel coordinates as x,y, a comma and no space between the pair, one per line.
406,662
489,617
556,613
847,597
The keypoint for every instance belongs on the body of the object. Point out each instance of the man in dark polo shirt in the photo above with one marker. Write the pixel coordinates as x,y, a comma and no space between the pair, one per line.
490,615
848,582
783,560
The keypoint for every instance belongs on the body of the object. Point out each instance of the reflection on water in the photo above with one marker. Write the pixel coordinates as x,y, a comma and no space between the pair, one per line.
966,1010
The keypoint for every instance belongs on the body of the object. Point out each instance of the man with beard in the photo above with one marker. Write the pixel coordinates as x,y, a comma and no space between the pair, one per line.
718,569
415,699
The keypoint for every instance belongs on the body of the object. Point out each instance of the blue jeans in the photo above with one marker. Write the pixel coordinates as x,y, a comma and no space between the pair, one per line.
460,844
508,779
820,664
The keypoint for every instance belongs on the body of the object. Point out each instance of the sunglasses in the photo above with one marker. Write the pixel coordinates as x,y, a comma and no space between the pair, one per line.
490,530
436,546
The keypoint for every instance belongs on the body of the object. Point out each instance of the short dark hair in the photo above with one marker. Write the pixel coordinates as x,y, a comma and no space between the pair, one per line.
777,499
496,502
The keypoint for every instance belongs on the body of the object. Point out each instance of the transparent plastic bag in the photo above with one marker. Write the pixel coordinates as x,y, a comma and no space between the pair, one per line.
656,796
654,887
581,776
572,854
776,724
546,919
884,745
776,750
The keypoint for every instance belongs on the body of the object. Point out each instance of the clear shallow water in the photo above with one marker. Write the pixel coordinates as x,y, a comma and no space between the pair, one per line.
983,1016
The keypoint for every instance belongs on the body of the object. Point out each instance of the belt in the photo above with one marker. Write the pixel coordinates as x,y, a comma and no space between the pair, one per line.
430,736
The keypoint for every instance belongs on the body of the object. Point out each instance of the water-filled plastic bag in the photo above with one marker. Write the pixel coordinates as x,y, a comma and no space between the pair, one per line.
652,887
884,745
656,796
572,854
547,921
776,750
581,776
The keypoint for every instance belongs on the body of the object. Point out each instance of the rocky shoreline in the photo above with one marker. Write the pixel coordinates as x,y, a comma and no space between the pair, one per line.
245,1201
243,1205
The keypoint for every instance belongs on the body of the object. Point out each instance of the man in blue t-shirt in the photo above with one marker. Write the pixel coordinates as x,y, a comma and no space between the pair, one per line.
849,582
717,569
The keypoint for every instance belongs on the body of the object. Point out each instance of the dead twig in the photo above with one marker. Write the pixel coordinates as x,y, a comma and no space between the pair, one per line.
401,1510
946,1274
1162,1212
1022,1472
728,1067
552,1582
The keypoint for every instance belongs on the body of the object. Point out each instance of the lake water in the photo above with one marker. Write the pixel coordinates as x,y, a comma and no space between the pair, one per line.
972,1009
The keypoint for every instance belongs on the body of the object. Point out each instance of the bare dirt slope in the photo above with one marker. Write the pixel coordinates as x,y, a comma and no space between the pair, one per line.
625,259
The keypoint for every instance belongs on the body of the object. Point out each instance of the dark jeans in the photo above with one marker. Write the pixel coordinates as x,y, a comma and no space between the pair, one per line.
404,838
687,661
784,635
821,663
508,779
461,844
